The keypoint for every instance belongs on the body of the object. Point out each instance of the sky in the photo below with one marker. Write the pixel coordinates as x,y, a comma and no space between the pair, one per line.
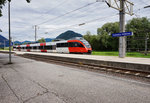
47,15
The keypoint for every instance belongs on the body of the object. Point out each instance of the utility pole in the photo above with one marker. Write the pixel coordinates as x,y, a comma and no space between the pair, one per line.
9,31
146,38
122,11
35,30
122,40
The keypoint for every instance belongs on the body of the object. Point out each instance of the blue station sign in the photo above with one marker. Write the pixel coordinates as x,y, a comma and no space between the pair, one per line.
122,34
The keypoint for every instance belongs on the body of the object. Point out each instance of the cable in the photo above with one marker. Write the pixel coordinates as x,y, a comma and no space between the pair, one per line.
144,2
67,13
79,17
53,8
80,24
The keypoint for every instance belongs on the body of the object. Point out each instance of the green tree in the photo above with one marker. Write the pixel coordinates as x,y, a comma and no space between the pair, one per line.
87,36
106,41
2,3
42,40
92,39
140,28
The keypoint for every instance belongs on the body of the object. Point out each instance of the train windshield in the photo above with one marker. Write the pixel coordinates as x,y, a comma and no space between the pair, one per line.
82,40
86,43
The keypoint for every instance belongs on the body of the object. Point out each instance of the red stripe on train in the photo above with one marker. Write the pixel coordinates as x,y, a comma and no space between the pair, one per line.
42,44
28,45
43,50
28,50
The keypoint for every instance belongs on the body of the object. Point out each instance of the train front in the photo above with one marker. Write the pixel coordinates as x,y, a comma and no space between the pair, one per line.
87,46
79,45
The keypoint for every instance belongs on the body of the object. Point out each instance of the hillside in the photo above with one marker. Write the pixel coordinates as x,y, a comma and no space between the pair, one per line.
68,34
3,41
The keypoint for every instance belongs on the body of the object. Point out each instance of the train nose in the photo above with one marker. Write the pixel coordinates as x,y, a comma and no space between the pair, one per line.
89,50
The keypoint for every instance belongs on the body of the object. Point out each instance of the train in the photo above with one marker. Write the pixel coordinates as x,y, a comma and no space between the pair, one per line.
75,46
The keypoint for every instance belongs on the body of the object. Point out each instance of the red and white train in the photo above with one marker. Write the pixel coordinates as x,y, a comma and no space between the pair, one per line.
78,45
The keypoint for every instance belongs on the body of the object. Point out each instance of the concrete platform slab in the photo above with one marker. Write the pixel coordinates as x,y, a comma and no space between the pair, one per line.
141,64
29,78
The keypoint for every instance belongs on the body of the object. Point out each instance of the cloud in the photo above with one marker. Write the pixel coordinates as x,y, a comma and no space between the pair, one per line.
25,15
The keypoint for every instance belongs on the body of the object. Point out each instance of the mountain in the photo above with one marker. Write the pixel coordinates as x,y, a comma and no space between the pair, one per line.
68,34
3,42
17,42
26,42
49,39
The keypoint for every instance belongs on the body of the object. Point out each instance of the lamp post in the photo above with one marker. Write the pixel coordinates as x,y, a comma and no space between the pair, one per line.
9,31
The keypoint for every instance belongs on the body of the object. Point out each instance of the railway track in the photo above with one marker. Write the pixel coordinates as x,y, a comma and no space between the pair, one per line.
90,66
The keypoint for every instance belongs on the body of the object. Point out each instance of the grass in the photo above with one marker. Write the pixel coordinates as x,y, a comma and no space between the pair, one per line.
115,53
6,48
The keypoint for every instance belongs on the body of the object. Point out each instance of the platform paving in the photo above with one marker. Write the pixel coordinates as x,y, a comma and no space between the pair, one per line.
30,81
132,63
96,57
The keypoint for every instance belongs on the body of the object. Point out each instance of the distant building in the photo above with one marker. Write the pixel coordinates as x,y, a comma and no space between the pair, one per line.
4,42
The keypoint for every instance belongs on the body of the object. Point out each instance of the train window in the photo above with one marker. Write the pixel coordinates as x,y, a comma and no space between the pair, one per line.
62,44
58,44
18,47
71,44
75,44
34,47
41,47
49,47
28,47
80,45
54,47
65,44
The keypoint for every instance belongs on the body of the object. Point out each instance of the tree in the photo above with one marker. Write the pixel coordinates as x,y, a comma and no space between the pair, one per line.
106,41
42,40
140,28
92,39
87,36
2,3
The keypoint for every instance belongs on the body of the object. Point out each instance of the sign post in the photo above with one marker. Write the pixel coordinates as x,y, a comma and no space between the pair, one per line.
122,43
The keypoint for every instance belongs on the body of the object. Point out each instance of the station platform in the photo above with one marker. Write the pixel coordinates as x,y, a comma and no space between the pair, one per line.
31,81
141,64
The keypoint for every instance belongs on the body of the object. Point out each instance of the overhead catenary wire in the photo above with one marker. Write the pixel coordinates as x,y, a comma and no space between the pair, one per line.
84,23
136,11
144,2
66,13
78,16
60,4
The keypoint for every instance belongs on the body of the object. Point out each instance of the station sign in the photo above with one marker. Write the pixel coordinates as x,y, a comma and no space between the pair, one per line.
122,34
